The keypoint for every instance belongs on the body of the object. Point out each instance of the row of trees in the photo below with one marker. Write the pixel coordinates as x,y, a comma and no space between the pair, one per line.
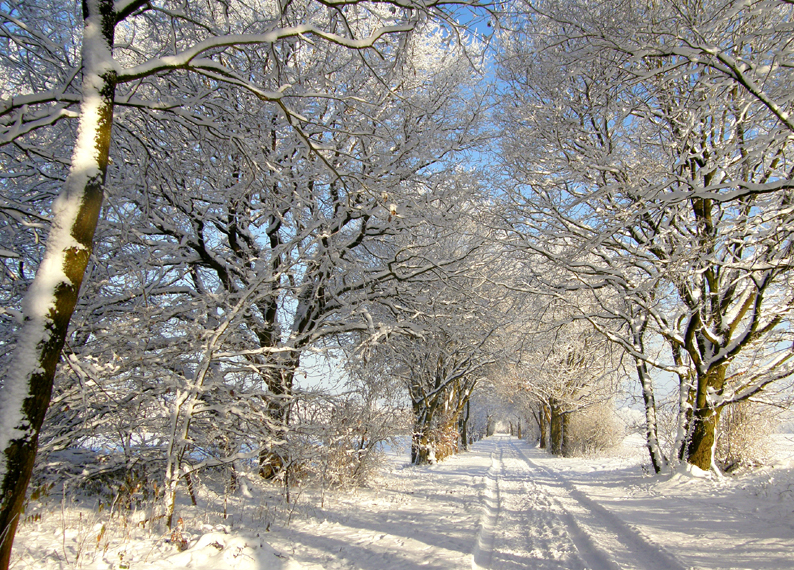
274,185
268,169
650,147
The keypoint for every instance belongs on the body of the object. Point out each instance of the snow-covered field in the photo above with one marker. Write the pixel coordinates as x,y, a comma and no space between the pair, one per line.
504,505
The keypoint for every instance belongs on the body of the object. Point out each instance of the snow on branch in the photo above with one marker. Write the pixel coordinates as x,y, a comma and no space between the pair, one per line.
184,59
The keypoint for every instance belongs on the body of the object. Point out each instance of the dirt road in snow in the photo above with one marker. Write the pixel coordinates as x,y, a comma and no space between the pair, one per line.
507,506
533,517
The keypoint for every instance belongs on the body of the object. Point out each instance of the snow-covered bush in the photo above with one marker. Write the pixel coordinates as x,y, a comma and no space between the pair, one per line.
352,459
337,441
743,436
105,476
593,429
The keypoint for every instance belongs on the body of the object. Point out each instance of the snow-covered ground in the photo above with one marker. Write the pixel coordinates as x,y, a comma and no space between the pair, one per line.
505,505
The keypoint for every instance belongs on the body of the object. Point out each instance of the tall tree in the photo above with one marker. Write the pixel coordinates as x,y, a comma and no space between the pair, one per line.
662,189
126,63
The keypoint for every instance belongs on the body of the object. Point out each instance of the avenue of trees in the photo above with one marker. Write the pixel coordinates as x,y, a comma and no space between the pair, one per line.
454,213
650,146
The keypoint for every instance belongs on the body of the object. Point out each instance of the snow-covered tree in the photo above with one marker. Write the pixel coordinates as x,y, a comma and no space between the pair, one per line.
659,183
137,64
564,367
452,333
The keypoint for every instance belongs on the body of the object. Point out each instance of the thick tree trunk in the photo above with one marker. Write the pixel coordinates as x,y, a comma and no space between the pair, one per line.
274,456
544,424
52,296
555,429
420,445
701,446
700,451
565,447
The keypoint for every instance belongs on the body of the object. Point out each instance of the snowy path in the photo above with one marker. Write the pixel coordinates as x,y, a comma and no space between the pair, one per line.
507,506
545,523
483,551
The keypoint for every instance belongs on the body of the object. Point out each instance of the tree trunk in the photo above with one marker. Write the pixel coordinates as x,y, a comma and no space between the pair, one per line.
686,409
565,446
555,429
464,426
420,444
543,416
50,301
686,401
701,446
700,451
658,460
274,456
191,488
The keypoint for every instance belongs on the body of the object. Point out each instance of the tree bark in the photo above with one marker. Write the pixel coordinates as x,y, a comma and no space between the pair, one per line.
51,299
686,405
274,457
658,460
686,399
420,446
420,441
555,429
464,426
543,423
565,444
700,451
701,446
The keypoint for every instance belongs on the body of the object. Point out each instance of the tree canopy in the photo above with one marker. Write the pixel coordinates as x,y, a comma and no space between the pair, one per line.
542,201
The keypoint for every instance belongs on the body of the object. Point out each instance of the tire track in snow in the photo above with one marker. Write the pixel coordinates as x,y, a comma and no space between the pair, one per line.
483,551
601,538
533,532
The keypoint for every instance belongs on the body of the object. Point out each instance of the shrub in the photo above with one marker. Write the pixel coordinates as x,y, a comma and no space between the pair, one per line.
743,436
592,430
